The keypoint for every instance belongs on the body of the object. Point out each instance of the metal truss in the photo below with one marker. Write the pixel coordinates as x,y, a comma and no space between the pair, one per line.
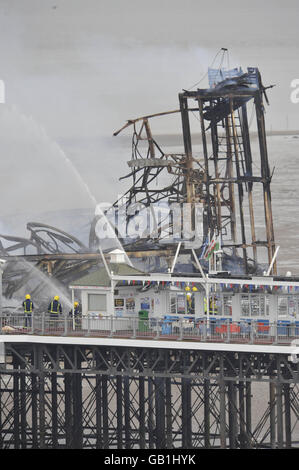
223,176
57,396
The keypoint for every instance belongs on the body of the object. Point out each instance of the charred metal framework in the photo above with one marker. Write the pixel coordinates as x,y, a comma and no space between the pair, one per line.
105,397
221,176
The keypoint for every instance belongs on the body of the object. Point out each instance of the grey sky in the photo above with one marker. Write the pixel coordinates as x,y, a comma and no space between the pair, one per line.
84,66
81,68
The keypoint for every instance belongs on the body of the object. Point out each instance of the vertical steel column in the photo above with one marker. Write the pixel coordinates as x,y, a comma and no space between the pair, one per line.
69,417
232,415
41,397
186,414
279,414
54,405
243,434
265,173
168,404
206,386
248,413
248,162
206,160
222,419
77,403
98,405
119,412
287,413
239,182
73,399
34,403
187,146
160,412
23,414
16,401
272,402
141,391
127,412
105,413
150,414
231,189
217,187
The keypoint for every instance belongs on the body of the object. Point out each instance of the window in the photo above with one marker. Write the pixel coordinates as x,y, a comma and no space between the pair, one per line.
97,302
178,303
254,305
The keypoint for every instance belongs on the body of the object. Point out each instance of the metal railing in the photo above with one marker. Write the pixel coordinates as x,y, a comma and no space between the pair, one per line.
220,330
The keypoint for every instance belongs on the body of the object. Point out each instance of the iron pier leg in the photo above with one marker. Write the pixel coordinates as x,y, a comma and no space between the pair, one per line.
127,413
222,406
16,401
160,412
206,386
119,410
98,399
279,415
105,412
186,414
34,405
168,397
150,414
41,396
142,444
54,409
287,405
248,413
272,413
232,415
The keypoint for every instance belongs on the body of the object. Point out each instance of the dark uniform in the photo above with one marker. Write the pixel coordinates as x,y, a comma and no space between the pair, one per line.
54,308
28,309
77,314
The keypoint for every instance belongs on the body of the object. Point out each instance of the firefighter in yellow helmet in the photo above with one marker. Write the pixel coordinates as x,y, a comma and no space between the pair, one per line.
55,307
28,310
77,313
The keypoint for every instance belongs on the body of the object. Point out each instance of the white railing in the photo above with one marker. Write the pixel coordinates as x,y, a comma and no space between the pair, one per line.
220,330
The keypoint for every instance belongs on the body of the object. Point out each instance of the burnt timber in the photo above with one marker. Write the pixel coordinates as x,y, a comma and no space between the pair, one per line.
221,177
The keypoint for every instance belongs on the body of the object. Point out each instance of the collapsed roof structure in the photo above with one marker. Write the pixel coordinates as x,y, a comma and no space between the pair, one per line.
217,183
216,186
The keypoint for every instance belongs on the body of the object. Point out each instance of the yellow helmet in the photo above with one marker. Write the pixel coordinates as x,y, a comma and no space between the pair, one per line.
56,297
27,296
194,289
187,288
76,304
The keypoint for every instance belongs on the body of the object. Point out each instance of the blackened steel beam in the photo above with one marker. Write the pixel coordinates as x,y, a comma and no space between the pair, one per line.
265,173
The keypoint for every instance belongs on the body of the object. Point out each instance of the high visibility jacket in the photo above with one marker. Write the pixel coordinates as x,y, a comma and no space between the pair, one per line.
211,309
77,311
54,307
28,306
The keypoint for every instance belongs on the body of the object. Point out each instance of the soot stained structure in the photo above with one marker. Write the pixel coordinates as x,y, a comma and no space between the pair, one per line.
222,176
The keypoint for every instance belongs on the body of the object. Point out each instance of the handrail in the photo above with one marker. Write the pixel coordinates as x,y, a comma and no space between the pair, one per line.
255,331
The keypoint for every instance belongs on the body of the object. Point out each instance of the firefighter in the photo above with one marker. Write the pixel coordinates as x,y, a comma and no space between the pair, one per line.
54,307
28,309
77,313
